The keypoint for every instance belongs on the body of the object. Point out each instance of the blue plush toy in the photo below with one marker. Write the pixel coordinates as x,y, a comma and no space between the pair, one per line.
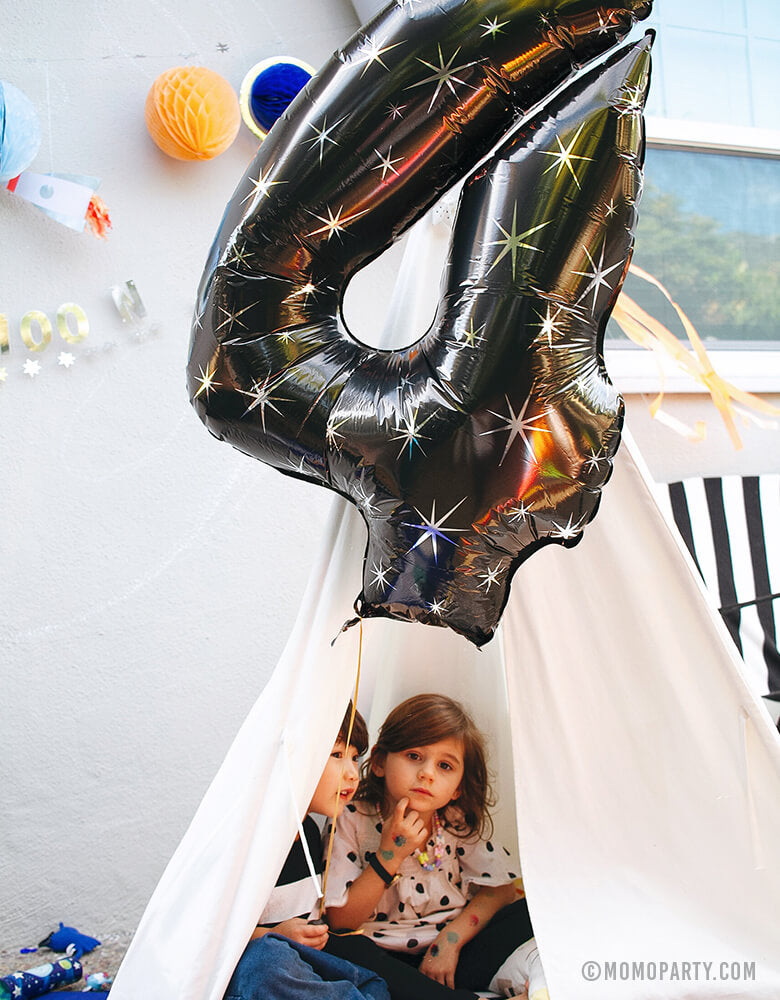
62,940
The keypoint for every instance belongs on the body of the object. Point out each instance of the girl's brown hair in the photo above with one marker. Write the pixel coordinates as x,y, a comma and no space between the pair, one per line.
418,722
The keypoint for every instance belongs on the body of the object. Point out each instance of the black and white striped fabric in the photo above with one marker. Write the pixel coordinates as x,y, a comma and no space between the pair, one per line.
731,526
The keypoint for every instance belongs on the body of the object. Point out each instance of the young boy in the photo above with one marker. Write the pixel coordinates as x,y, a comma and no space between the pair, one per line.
293,897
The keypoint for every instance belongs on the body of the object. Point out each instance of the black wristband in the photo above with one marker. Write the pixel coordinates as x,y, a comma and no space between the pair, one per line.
380,869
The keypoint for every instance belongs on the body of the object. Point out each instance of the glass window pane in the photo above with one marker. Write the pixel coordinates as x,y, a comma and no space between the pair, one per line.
708,230
765,65
706,76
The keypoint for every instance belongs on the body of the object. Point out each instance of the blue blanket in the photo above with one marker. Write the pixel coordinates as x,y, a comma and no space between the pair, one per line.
275,966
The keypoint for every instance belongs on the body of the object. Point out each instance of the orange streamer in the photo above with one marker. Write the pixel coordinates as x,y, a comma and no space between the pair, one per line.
651,334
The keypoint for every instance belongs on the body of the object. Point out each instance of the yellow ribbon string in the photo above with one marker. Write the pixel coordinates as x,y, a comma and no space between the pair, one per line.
646,331
341,775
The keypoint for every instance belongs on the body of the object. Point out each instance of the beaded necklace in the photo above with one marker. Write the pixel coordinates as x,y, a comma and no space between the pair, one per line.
438,848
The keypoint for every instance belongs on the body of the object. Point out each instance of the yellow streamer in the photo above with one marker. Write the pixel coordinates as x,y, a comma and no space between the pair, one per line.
82,323
3,333
341,775
649,333
43,321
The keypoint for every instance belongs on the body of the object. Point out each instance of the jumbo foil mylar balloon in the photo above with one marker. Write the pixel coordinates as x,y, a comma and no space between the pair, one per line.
494,433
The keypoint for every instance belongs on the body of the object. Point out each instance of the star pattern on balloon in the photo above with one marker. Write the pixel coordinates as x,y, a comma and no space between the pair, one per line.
379,577
443,75
336,224
566,531
261,185
410,430
206,379
387,162
323,134
610,209
631,101
371,51
598,275
432,528
260,394
563,156
231,317
519,512
395,111
594,459
305,292
490,576
549,325
517,425
365,500
332,433
437,607
493,27
514,242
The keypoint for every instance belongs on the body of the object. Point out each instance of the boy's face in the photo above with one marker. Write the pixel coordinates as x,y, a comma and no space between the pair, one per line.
342,764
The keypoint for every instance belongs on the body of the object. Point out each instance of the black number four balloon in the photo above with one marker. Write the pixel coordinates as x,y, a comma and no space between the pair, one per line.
494,433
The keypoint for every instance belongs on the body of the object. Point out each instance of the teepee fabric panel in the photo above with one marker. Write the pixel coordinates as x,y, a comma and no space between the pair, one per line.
648,772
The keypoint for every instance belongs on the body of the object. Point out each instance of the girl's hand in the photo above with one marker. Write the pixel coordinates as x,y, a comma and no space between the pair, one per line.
402,834
441,959
297,929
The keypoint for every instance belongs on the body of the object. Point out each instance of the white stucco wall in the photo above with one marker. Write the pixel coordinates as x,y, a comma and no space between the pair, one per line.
150,574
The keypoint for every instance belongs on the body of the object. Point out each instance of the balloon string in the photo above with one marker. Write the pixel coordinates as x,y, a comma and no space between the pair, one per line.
348,742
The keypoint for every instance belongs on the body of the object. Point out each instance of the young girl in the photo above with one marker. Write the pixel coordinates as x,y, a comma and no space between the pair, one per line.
413,865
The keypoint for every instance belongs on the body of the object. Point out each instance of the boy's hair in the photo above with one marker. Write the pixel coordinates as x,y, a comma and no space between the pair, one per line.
425,719
359,737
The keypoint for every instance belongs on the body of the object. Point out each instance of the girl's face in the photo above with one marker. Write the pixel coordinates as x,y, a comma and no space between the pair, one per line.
429,776
342,767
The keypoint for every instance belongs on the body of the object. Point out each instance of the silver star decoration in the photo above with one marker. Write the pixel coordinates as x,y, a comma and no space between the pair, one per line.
443,75
514,241
490,577
438,607
395,111
299,466
239,256
305,292
323,134
66,359
431,528
518,426
472,337
597,275
260,395
232,317
604,25
611,209
519,512
364,499
261,185
631,101
31,368
410,431
567,530
332,434
386,163
206,378
379,579
493,27
371,51
548,325
564,156
334,224
222,47
594,459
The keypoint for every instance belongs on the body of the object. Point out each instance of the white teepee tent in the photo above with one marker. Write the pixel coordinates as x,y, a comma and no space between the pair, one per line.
646,773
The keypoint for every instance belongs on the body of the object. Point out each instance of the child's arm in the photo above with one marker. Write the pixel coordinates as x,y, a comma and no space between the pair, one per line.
401,835
297,929
441,958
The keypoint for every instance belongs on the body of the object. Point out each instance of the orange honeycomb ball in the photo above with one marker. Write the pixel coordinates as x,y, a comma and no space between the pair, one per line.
192,113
